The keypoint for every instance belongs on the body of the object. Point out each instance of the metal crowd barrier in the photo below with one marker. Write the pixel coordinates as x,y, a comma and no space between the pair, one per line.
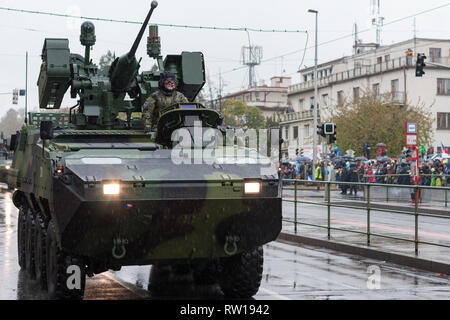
367,186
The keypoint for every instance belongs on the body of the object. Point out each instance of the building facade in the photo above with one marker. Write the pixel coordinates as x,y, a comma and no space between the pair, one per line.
388,69
271,100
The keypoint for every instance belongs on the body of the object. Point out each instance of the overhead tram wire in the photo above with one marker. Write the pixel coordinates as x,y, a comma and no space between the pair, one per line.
345,36
158,24
228,29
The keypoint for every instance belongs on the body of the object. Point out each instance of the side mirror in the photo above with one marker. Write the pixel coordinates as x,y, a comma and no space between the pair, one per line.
46,130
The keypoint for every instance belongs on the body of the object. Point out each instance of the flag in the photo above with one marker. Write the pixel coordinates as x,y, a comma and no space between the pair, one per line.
444,150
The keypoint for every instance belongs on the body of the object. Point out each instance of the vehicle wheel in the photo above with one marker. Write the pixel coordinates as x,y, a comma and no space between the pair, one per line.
206,274
30,243
240,275
40,254
66,275
21,237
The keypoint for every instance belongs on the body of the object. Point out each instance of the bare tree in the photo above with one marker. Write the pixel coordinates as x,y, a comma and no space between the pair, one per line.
12,121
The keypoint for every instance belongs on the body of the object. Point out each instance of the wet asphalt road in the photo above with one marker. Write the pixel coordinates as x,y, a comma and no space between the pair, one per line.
291,272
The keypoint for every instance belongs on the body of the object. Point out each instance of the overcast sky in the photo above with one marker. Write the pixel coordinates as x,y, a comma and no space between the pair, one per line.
21,32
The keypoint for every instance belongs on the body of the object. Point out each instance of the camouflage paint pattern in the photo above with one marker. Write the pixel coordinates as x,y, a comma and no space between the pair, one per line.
164,211
156,104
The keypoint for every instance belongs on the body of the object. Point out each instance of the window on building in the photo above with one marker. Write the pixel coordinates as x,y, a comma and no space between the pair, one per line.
325,99
379,60
340,97
286,133
312,102
306,130
387,58
435,54
356,94
295,132
376,89
305,78
395,86
443,121
302,104
443,86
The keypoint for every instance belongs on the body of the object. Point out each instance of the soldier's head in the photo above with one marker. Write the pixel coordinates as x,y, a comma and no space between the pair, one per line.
168,82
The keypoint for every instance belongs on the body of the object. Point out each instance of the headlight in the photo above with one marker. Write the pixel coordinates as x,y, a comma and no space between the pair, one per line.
7,167
252,187
111,189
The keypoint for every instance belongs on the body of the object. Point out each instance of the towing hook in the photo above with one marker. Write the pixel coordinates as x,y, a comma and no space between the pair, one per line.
119,243
231,241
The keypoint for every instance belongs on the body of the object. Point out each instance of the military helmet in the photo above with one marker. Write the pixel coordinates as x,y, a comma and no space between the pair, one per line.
164,76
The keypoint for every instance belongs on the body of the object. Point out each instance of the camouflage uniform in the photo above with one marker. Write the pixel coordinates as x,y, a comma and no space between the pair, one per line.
157,102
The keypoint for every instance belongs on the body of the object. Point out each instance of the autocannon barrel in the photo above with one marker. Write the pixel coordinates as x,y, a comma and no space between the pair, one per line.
124,69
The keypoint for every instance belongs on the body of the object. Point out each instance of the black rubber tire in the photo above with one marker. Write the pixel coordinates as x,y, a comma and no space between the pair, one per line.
206,274
21,238
30,240
57,264
240,275
40,251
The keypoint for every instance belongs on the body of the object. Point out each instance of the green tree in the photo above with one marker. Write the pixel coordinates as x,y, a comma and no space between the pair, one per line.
374,119
272,122
255,118
236,110
233,111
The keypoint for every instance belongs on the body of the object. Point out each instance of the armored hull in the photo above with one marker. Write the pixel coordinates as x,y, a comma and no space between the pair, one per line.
97,190
164,212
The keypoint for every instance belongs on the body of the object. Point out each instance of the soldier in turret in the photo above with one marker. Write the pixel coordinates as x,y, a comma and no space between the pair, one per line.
164,97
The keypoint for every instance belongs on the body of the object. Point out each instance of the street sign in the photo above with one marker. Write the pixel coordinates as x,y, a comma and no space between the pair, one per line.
411,128
410,134
411,140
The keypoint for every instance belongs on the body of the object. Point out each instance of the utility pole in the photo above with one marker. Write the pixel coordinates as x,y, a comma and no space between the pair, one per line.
415,35
316,100
220,90
26,89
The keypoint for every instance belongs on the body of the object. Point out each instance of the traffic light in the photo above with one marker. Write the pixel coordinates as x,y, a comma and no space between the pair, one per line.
420,64
297,151
15,96
329,128
332,137
321,131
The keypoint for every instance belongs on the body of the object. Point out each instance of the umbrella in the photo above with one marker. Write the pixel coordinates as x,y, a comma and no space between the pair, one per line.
383,159
381,144
361,159
342,159
301,159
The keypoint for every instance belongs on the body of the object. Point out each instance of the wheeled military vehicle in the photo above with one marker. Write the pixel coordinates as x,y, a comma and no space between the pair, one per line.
100,192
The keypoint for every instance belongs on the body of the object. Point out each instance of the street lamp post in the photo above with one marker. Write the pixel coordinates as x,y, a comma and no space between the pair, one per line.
316,100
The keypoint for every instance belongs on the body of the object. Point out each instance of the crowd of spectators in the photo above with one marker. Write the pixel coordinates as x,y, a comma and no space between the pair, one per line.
394,171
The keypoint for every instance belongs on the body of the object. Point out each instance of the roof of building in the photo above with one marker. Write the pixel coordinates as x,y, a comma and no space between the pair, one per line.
258,88
380,48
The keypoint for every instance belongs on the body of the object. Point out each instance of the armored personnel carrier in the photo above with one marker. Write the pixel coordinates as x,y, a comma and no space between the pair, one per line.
100,192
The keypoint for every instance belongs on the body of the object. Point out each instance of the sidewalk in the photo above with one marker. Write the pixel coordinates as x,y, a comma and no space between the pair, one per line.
429,258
